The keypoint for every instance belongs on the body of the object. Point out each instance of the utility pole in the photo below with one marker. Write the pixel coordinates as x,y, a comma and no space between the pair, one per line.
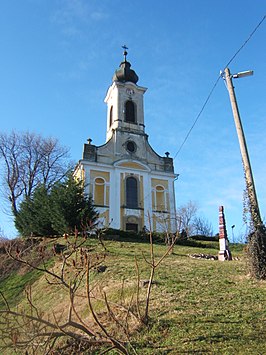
254,206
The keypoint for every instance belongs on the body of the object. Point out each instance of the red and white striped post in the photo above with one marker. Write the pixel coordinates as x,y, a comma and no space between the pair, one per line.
224,252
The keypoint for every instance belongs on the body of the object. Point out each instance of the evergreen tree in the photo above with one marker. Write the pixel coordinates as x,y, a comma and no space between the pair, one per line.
61,210
34,217
71,208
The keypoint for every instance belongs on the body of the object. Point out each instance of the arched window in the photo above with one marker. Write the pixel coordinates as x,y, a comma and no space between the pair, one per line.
111,116
131,192
130,112
99,191
160,198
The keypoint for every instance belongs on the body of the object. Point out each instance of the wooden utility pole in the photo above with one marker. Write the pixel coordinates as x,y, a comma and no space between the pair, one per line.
254,206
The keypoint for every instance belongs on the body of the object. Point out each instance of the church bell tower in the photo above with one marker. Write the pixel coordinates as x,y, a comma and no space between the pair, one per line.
131,185
125,101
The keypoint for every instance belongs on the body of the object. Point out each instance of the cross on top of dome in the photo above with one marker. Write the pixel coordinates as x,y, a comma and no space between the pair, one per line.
125,52
124,73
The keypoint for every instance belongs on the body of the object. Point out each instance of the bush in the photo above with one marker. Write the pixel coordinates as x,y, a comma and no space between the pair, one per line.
205,238
120,235
256,251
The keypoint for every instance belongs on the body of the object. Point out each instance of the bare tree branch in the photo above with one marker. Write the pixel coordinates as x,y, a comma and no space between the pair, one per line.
29,160
185,216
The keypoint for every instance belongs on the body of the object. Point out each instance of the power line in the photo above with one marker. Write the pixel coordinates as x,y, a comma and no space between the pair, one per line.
198,116
246,41
210,94
215,84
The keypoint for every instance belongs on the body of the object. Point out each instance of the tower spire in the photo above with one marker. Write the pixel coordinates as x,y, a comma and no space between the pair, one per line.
125,52
124,73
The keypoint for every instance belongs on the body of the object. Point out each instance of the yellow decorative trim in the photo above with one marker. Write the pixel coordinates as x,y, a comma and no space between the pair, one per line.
161,182
103,174
132,165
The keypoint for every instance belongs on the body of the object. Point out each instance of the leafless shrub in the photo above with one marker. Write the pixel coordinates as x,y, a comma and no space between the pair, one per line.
111,326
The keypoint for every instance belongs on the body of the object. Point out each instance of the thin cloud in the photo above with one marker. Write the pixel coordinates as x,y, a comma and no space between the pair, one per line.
99,16
76,12
69,11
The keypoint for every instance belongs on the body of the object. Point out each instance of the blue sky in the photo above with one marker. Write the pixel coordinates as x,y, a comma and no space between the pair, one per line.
57,61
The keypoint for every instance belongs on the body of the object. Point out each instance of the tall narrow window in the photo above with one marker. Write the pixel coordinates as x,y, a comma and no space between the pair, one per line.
160,198
131,192
99,192
130,112
111,116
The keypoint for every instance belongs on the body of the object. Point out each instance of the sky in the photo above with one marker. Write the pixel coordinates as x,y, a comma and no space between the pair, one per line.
58,58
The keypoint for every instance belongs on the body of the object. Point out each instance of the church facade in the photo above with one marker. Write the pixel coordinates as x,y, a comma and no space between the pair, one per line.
131,185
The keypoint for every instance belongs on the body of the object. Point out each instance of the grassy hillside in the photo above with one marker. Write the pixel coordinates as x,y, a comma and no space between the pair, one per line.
197,305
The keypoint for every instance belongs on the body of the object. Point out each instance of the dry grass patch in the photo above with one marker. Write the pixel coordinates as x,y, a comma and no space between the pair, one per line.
196,306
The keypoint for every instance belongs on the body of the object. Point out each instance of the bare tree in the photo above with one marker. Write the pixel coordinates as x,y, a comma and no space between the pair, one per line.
153,264
32,330
185,215
202,226
2,235
29,160
28,330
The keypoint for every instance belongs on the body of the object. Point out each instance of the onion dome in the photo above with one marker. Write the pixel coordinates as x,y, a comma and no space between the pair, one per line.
124,73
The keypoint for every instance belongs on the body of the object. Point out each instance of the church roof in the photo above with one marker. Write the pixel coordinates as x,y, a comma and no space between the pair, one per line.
124,73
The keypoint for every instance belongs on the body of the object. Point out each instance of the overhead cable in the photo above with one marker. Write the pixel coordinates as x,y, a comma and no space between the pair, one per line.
215,84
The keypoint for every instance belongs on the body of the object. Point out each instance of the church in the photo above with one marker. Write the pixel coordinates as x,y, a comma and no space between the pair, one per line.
132,187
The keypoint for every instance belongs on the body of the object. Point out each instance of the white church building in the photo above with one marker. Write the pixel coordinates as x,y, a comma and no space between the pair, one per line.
131,185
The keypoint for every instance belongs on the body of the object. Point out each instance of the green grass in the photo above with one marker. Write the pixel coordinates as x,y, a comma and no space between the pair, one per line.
197,306
13,286
207,307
